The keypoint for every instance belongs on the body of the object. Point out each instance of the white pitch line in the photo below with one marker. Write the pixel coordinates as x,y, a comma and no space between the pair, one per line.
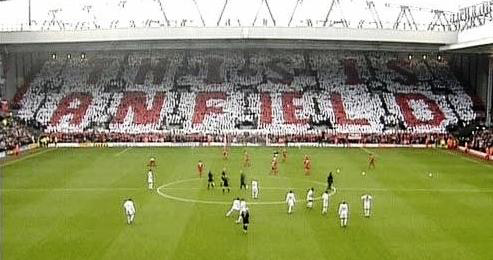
368,151
122,152
260,188
26,157
67,189
468,159
87,189
418,190
462,157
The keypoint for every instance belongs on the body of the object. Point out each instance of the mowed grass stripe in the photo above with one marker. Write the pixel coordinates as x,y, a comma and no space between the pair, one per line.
58,211
152,217
112,201
438,220
421,208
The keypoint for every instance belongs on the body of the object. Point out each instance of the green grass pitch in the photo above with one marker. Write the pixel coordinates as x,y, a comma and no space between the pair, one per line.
67,204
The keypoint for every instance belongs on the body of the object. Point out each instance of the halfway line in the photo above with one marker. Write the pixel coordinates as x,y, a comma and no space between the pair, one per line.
265,188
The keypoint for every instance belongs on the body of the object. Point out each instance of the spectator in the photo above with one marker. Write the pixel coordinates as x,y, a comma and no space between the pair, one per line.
262,96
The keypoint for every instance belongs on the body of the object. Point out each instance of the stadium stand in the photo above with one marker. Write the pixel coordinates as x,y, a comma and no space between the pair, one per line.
14,133
481,140
175,95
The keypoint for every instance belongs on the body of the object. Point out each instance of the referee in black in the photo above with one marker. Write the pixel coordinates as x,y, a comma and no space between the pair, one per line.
245,216
330,180
210,180
225,181
242,180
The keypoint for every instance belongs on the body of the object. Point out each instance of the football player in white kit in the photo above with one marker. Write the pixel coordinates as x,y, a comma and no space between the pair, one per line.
255,189
243,207
367,199
325,202
290,200
343,213
310,198
150,179
129,207
234,207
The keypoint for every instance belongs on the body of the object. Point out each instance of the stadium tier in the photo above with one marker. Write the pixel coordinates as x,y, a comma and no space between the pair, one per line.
254,92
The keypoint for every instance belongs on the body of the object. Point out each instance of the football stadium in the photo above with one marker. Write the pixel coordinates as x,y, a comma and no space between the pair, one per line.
246,129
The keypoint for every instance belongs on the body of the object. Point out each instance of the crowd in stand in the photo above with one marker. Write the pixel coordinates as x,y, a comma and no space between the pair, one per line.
262,96
2,75
14,134
323,138
481,140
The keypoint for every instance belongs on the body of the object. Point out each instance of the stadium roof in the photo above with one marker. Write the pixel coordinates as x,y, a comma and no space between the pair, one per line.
402,24
214,12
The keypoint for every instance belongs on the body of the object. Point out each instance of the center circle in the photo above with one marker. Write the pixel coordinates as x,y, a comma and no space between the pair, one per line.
161,191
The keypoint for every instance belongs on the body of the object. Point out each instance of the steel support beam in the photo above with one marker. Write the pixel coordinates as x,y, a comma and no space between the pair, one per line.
343,20
268,8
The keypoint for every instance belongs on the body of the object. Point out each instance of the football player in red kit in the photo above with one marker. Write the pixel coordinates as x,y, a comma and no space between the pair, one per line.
246,160
225,153
274,169
284,154
371,161
152,162
307,164
17,150
200,168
